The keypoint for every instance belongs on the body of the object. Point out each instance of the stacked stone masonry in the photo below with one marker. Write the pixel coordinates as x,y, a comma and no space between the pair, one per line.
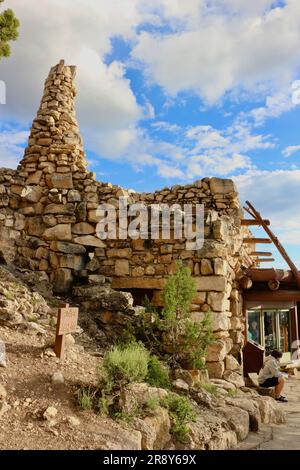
49,224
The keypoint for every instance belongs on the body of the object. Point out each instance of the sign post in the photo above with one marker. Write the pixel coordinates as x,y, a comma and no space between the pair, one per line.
66,323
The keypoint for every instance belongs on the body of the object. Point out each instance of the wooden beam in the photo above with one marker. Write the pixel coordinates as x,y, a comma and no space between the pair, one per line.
257,240
269,274
277,243
271,296
261,253
265,260
246,282
274,284
249,222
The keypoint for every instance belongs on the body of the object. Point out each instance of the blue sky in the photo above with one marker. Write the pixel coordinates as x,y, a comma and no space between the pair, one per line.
170,92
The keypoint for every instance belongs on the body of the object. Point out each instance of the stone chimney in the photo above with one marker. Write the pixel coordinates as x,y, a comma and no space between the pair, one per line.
55,147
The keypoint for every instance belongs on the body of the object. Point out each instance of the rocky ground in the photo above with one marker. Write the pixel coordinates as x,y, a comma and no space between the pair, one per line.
38,406
283,437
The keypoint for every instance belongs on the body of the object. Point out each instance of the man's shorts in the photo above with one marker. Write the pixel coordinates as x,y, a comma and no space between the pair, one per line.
271,382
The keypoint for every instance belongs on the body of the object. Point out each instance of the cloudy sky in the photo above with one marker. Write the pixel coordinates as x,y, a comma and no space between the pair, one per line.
170,91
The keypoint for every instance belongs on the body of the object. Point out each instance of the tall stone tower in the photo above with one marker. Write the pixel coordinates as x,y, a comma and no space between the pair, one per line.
55,148
57,189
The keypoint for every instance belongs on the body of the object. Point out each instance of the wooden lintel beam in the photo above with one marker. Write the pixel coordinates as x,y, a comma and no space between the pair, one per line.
261,253
257,240
268,274
271,296
250,222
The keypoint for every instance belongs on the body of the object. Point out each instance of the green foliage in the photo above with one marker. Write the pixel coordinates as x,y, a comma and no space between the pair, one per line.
231,392
126,364
103,406
85,398
124,416
158,374
151,404
210,388
181,412
188,339
178,295
9,25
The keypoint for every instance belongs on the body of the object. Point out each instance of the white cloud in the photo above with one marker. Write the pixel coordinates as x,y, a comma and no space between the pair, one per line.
11,147
80,32
218,165
277,104
275,194
233,45
290,150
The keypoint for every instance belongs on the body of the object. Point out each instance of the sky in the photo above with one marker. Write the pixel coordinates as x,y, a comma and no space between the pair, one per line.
171,91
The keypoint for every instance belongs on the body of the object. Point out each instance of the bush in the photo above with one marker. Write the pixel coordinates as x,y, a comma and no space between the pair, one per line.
85,398
189,339
181,412
210,388
126,364
158,375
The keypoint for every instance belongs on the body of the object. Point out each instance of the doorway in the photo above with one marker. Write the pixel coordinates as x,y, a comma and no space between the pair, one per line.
271,328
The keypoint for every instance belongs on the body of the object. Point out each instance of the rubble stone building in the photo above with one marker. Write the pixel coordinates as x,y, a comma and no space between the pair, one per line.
48,213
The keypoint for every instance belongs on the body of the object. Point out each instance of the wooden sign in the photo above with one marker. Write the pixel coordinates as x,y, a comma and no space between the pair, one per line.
66,323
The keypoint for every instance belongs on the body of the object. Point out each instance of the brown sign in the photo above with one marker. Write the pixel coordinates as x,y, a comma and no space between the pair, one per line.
67,320
66,323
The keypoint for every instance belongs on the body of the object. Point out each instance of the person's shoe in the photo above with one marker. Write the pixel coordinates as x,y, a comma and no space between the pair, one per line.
282,399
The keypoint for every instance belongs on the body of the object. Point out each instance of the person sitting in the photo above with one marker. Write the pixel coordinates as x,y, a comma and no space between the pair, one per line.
270,375
253,332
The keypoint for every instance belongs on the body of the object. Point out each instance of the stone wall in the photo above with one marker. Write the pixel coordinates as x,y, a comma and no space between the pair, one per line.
48,207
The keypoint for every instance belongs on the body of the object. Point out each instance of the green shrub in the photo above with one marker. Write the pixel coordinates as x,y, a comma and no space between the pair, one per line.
189,339
158,375
151,404
103,406
210,388
231,392
181,412
85,398
126,364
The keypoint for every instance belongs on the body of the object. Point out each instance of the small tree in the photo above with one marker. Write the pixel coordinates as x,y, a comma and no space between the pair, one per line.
189,339
9,25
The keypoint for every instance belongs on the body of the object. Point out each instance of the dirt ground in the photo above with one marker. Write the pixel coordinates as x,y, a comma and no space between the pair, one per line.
27,380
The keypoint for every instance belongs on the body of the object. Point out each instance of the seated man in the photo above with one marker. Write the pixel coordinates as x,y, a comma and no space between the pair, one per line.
270,375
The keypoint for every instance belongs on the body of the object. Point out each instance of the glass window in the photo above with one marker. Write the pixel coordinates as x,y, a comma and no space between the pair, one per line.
270,330
254,326
284,330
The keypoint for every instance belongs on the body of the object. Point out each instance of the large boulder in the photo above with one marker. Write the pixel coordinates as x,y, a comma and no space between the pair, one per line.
237,419
270,411
252,409
155,429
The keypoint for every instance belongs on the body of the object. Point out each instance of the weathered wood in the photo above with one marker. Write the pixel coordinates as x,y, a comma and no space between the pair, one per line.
277,243
265,260
274,284
246,282
249,222
257,240
267,274
67,319
261,253
272,296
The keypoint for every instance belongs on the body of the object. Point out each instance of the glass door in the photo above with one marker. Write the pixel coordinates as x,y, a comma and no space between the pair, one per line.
270,328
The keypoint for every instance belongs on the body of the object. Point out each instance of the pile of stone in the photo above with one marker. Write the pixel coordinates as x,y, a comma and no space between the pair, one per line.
19,305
